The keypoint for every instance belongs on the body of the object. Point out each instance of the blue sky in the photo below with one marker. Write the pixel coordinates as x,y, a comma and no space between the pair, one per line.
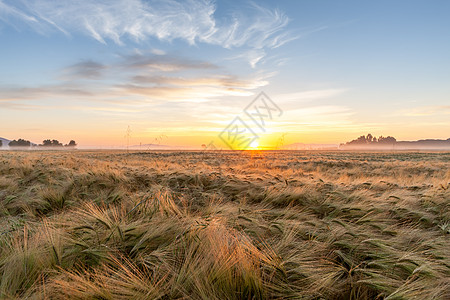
184,69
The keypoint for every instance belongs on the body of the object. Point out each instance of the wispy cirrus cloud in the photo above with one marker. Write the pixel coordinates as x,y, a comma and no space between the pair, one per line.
194,21
7,11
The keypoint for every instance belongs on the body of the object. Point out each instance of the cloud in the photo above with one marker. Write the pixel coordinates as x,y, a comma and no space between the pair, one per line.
137,79
194,21
106,109
158,52
253,57
258,27
10,11
427,111
84,70
183,93
292,99
164,63
226,81
175,79
18,106
10,94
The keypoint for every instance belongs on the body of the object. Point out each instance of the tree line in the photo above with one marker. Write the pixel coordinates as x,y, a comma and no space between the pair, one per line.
45,143
370,139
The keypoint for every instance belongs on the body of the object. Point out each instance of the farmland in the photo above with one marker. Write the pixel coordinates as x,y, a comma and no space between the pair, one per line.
224,225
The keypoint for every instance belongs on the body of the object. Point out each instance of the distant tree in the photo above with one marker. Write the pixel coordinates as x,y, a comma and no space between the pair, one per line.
46,143
56,143
359,141
51,143
71,144
20,143
391,139
387,140
370,139
1,143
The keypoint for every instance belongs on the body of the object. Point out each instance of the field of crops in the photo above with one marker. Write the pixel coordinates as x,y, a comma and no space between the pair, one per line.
224,225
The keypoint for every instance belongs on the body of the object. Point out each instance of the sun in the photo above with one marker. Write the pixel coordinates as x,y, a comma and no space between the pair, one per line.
254,144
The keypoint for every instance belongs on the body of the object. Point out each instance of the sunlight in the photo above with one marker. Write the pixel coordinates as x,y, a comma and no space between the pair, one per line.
254,144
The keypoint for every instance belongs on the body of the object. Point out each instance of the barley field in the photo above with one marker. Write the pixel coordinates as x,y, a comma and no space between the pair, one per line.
224,225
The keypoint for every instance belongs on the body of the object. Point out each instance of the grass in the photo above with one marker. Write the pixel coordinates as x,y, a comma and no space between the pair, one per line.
224,225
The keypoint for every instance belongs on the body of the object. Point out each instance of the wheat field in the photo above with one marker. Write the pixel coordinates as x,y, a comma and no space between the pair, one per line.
224,225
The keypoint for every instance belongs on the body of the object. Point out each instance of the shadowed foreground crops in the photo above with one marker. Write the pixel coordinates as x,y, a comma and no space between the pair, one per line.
192,225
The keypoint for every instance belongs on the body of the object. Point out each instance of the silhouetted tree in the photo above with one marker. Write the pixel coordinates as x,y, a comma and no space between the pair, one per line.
51,143
56,143
370,139
46,143
20,143
361,140
386,140
1,143
71,144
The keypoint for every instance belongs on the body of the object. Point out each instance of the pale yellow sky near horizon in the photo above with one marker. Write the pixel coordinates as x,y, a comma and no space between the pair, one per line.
184,70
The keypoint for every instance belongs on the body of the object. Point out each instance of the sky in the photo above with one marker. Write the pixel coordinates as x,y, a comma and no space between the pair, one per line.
182,73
